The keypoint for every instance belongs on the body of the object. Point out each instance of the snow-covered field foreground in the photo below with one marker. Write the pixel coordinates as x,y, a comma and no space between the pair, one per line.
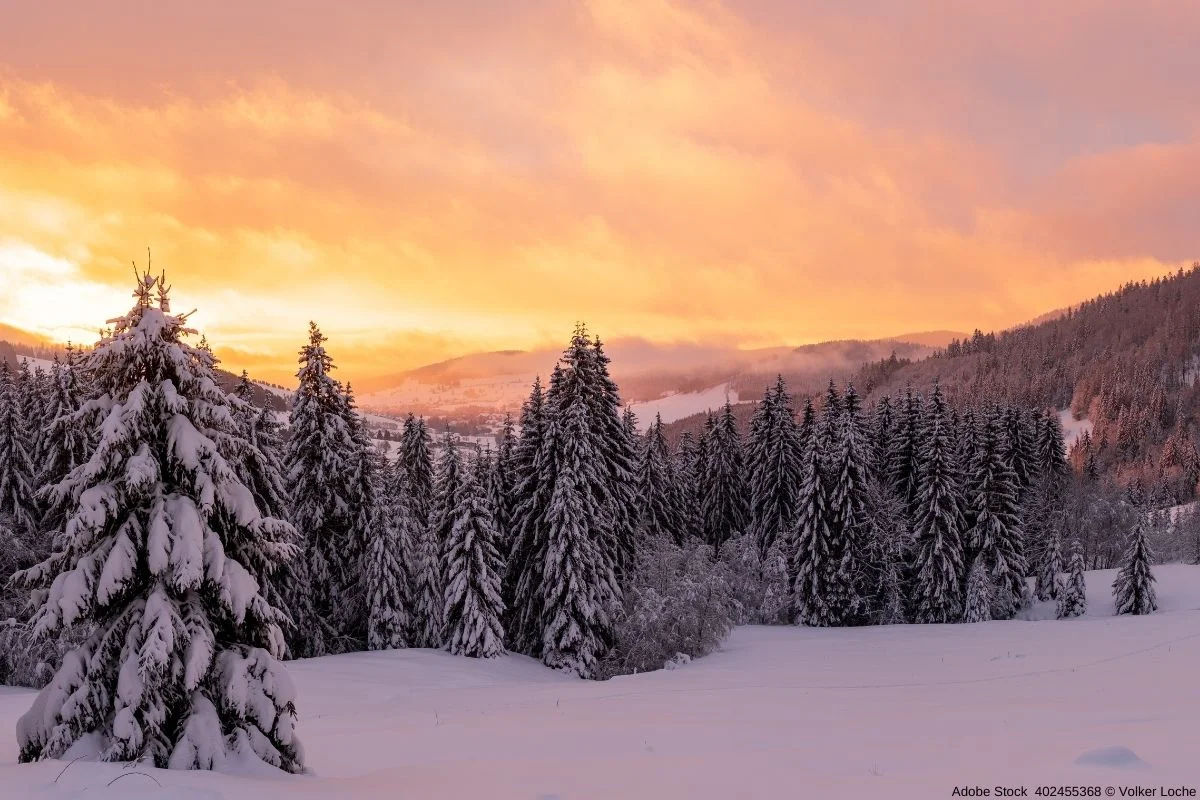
895,712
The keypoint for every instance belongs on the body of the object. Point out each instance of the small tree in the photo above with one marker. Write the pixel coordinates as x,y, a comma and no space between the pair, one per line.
388,619
1133,590
1049,568
979,593
1072,591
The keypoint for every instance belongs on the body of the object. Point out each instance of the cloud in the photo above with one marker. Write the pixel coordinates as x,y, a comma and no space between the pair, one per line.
479,176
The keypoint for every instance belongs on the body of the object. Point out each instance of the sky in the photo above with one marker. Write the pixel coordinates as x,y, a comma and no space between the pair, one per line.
426,179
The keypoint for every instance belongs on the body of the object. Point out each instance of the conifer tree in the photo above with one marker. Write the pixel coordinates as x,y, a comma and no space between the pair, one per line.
66,444
658,511
773,457
687,488
1133,589
1049,568
979,592
938,521
995,534
812,563
32,394
429,586
533,470
178,663
904,457
614,445
502,485
848,516
1072,593
416,468
883,432
579,583
17,486
388,619
724,502
474,606
319,463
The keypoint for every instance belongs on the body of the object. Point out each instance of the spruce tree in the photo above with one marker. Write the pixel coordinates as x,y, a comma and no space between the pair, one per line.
388,619
430,583
415,465
1072,593
657,505
66,444
904,457
177,665
614,445
725,502
938,521
474,607
533,469
995,534
812,564
1133,589
319,463
17,487
687,488
502,485
883,432
1049,568
979,592
579,584
773,459
848,516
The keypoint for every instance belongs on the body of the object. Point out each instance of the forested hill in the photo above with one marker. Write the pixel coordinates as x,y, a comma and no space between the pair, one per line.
1126,361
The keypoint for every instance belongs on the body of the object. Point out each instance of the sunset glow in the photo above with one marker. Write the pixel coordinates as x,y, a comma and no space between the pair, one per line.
427,180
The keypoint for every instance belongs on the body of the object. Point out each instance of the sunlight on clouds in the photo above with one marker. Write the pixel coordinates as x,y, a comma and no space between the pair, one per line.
47,295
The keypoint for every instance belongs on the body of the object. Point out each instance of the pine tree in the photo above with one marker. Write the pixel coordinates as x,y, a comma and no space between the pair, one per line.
473,607
33,395
416,468
1133,589
657,505
773,459
17,486
319,464
979,592
361,481
430,583
614,445
938,521
1072,593
177,666
501,487
724,503
995,534
66,444
812,564
883,433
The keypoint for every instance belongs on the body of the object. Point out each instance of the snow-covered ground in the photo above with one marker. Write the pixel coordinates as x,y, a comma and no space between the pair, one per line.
893,712
1073,428
678,406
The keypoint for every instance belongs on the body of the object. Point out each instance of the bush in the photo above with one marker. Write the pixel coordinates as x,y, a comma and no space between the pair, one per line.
679,606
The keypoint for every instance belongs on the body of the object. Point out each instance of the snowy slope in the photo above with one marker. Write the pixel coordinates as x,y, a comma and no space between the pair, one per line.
895,712
680,406
1073,428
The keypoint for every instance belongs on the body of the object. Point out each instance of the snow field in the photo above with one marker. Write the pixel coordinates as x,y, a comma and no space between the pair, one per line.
899,712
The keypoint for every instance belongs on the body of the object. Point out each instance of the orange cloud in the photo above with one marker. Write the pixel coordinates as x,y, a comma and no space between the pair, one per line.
480,176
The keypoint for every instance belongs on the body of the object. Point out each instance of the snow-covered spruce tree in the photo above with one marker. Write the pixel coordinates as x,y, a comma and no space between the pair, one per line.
773,460
388,619
429,584
1050,566
179,668
501,486
848,514
579,586
938,521
533,473
904,457
362,482
319,467
883,431
687,487
33,395
658,508
613,443
979,592
259,465
1072,593
17,502
66,443
812,564
1133,589
1020,426
416,463
474,607
724,502
995,534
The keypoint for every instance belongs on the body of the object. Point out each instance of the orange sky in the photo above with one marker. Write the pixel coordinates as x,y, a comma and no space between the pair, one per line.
427,179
